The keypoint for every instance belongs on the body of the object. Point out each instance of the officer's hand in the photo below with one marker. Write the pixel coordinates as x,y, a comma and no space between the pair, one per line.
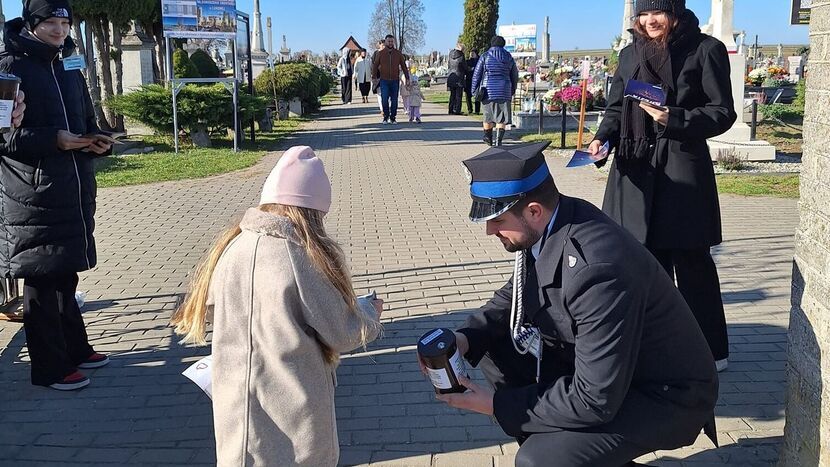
68,141
99,146
477,399
595,146
19,109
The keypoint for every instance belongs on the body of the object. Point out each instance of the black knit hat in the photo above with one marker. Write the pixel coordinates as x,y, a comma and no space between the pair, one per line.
37,11
675,7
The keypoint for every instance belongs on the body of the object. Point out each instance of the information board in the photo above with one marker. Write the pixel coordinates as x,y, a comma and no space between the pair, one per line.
520,39
199,19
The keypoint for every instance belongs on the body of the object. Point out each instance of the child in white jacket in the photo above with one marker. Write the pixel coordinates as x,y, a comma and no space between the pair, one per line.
416,97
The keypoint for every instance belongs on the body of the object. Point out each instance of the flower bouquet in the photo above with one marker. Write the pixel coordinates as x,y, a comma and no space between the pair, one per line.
572,97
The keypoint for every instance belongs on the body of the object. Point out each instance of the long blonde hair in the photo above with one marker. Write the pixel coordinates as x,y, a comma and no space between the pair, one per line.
190,320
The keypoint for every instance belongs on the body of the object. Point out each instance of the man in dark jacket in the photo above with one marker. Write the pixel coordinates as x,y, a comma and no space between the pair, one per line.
457,67
595,357
468,83
48,192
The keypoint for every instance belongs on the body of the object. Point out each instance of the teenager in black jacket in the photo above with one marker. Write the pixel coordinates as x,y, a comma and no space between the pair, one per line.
48,193
662,184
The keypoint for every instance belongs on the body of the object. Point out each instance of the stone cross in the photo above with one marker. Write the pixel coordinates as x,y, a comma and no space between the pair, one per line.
723,12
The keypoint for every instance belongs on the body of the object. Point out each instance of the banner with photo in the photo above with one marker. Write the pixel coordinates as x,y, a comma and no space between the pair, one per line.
801,11
520,39
199,19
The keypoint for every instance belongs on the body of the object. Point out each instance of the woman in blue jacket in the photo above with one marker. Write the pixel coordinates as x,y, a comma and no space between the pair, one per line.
497,73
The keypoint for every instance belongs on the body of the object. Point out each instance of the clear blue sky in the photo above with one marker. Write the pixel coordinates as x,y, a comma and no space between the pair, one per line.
324,25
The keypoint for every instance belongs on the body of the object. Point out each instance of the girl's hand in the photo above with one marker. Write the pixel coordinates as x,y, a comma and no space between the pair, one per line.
595,146
659,114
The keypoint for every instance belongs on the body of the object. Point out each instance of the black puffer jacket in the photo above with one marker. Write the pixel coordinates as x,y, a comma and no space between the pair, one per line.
457,69
47,196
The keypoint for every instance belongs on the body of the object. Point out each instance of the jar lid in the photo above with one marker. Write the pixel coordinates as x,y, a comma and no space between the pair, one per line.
436,342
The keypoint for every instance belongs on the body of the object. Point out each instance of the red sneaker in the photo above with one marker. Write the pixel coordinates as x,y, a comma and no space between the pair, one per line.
72,382
95,360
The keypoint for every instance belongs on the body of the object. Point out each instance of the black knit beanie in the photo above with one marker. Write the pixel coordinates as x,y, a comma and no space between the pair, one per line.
675,7
37,11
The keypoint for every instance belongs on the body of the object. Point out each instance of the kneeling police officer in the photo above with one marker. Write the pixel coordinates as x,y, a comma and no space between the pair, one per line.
593,354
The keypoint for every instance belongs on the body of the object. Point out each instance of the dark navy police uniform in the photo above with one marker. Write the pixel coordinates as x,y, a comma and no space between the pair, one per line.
625,369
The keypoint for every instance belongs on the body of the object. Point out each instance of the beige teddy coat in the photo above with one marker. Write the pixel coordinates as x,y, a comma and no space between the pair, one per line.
273,393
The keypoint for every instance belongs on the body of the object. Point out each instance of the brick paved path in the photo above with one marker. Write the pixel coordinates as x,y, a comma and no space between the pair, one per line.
400,211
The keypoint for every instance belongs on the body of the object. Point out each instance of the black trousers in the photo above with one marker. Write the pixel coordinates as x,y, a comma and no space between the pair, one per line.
503,367
456,96
346,89
470,99
697,280
364,89
55,333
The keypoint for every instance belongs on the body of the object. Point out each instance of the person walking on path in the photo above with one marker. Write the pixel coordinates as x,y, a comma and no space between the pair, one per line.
497,76
416,97
345,70
594,355
387,67
363,76
456,79
376,81
48,196
661,186
468,84
278,292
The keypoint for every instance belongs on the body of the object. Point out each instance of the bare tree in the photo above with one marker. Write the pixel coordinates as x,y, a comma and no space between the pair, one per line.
401,18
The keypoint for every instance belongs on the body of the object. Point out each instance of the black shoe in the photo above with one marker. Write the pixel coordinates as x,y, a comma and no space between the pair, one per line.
488,137
499,136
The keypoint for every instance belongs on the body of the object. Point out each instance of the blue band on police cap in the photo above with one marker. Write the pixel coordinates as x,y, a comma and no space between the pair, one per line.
504,188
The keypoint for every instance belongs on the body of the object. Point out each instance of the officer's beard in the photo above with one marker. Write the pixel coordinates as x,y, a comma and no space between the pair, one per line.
529,239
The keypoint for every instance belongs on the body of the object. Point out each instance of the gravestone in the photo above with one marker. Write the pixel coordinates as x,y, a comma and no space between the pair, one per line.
795,67
137,59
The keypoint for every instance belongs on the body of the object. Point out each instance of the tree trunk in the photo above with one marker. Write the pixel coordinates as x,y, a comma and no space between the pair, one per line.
92,77
118,56
100,29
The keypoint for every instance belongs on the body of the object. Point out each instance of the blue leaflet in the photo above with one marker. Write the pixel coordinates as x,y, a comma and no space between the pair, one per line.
581,158
645,92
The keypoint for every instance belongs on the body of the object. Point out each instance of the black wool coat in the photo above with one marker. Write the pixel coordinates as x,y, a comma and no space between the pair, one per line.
457,69
47,196
622,351
670,201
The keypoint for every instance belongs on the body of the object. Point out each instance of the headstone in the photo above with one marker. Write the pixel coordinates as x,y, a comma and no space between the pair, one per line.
137,59
295,107
737,138
795,67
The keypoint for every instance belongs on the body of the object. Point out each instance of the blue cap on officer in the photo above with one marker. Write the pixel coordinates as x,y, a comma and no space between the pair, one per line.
501,176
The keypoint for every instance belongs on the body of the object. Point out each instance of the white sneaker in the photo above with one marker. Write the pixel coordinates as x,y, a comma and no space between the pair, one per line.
721,365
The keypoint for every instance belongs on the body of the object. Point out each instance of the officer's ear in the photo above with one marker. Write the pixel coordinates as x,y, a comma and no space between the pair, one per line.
534,211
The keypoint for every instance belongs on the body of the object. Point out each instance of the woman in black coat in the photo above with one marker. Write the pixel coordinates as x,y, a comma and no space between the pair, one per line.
662,184
48,193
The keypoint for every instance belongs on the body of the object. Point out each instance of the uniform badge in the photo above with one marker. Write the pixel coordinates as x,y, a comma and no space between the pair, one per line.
571,261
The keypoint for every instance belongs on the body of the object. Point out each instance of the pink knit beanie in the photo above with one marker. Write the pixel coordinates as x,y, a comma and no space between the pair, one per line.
298,179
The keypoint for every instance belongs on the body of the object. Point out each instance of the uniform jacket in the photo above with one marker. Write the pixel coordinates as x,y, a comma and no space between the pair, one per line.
496,70
671,200
273,393
632,359
388,64
363,70
457,68
47,202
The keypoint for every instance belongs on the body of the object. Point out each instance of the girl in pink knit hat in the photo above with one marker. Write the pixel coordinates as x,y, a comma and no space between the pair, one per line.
279,295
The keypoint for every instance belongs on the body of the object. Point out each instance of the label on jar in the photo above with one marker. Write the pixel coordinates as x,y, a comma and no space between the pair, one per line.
458,366
440,378
431,337
6,107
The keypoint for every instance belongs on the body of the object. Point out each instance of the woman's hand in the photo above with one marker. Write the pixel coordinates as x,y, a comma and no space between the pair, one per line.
595,146
659,114
19,109
99,146
68,141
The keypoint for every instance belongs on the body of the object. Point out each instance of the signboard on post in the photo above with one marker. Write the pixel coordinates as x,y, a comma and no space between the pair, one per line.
520,39
801,12
199,19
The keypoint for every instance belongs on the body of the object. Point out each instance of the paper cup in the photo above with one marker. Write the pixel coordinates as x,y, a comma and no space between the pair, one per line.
9,85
